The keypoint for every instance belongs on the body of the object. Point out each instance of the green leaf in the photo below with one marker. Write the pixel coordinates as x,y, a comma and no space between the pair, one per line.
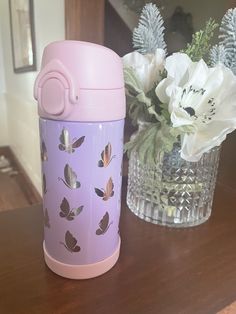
138,109
141,106
141,97
165,112
131,82
154,140
200,44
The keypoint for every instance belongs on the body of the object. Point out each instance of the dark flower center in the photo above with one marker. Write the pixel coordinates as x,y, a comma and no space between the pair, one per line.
190,111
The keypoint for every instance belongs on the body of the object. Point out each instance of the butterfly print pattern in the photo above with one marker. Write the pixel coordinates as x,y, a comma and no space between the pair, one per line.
106,156
70,178
44,184
68,213
108,192
70,243
103,225
44,154
46,219
66,144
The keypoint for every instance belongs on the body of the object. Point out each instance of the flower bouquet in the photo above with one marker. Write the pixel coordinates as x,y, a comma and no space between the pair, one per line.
183,105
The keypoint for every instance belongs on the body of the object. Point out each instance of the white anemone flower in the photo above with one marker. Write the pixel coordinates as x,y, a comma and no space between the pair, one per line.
202,98
147,68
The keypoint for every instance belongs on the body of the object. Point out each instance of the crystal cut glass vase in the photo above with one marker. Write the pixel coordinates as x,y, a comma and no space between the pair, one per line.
174,192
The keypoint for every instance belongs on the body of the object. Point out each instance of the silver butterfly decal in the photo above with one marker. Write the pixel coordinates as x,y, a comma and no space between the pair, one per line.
68,145
70,178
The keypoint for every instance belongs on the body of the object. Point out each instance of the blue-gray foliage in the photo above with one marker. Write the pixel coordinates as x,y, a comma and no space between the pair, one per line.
149,35
218,55
225,52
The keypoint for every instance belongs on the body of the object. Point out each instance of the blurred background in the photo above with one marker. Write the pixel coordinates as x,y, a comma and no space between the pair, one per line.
26,27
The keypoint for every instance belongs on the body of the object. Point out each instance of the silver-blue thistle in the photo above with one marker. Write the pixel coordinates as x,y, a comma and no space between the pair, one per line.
149,35
225,52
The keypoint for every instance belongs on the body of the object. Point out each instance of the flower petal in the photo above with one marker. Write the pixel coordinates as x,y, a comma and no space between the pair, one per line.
134,59
161,89
147,67
194,145
198,74
177,65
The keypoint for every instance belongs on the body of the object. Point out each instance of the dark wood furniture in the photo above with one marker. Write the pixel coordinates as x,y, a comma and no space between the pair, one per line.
84,20
17,190
98,22
160,270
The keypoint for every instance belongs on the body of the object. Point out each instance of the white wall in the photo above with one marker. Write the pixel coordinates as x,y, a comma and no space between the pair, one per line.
4,141
3,112
22,115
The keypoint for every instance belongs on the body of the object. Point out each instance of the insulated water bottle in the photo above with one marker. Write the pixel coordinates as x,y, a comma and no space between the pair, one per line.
81,104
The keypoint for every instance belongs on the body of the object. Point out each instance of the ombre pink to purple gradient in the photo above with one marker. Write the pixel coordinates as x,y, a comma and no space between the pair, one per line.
84,161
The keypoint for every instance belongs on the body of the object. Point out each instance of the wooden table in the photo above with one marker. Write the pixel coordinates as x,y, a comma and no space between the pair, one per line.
160,270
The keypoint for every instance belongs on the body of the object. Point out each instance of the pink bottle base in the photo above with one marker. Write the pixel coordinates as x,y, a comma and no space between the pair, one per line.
81,271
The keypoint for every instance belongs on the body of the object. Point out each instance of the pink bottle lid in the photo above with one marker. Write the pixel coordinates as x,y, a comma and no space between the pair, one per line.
80,81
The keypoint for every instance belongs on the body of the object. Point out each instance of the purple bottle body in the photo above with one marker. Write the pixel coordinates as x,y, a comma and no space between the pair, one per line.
82,174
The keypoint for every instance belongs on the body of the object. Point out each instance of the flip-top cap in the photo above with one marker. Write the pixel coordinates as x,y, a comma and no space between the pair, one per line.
80,81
